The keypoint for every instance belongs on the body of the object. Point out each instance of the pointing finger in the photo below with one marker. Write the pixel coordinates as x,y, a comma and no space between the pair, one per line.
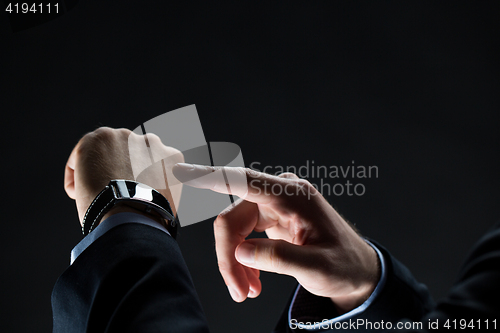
245,183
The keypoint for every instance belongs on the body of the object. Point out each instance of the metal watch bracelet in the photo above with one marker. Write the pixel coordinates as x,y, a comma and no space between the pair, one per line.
127,191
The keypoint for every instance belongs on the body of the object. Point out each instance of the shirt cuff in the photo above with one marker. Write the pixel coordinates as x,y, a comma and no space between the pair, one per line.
109,223
315,326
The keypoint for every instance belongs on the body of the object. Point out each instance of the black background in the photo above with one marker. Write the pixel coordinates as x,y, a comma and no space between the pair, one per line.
411,87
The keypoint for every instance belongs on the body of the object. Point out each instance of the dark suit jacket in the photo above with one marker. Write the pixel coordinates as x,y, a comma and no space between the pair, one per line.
131,279
134,279
474,296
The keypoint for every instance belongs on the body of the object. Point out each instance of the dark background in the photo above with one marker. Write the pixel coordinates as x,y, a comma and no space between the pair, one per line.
411,87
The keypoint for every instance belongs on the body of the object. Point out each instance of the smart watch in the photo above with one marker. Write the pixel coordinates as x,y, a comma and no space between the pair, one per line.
129,192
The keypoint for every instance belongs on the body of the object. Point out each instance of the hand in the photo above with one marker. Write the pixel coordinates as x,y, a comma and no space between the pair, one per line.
308,239
107,154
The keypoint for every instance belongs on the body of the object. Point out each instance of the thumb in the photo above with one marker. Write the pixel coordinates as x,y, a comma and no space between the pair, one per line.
276,256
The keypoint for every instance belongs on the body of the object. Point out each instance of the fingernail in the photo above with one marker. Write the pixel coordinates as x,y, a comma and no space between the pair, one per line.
252,293
186,166
246,253
234,294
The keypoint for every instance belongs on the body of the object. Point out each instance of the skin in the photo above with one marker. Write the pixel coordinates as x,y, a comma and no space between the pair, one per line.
106,154
308,239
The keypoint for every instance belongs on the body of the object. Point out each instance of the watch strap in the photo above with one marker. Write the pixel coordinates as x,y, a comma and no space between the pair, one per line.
102,203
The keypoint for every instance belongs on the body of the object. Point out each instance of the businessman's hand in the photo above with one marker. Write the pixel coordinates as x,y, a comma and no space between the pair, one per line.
108,153
308,239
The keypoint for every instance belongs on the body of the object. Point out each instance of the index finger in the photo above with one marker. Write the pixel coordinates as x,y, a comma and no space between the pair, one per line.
245,183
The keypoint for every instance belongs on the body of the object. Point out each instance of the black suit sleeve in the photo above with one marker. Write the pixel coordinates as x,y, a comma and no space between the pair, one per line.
474,296
131,279
476,293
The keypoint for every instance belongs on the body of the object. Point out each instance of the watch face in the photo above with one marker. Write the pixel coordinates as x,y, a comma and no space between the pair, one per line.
130,190
141,191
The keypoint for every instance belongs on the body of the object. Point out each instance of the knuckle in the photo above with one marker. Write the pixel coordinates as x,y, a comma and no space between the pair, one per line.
175,151
124,131
104,132
175,154
254,177
87,143
303,183
289,175
100,143
305,187
250,172
219,222
99,137
152,137
135,136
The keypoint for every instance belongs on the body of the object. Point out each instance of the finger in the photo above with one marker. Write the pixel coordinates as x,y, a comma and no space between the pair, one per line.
268,218
254,284
254,271
276,256
245,183
231,228
280,232
288,175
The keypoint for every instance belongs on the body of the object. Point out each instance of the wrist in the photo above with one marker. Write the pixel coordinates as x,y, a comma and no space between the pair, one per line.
363,289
